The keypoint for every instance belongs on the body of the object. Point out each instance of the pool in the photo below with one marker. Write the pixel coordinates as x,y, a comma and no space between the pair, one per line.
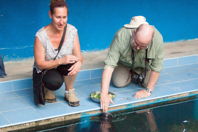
174,117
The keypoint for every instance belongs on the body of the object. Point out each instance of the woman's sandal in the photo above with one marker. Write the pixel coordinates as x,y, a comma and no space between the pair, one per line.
50,100
73,104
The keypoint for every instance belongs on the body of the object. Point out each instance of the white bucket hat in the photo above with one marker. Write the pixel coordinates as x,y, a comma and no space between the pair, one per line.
136,21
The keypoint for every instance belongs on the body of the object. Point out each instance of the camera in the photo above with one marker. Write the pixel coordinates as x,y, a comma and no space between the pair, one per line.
138,78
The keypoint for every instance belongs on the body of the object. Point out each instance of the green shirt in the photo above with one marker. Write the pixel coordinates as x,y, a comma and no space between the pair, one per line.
120,52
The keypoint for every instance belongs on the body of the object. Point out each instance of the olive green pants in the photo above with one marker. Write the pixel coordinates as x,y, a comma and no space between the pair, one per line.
122,76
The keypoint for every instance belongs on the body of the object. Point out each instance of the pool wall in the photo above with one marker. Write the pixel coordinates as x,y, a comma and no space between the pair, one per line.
96,21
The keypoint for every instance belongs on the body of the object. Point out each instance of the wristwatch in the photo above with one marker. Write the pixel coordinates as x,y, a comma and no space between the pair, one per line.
148,90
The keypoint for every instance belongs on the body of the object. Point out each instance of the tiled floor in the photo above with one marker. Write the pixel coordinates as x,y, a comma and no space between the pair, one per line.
180,75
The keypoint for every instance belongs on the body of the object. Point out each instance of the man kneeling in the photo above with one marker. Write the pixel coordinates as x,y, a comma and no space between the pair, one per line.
135,55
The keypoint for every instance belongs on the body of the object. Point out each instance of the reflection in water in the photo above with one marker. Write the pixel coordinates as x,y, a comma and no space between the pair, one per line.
172,118
130,121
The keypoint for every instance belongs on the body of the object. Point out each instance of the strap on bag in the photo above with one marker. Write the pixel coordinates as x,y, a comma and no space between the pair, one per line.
61,42
59,48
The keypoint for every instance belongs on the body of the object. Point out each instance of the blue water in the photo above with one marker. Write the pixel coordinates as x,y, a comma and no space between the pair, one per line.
180,117
96,20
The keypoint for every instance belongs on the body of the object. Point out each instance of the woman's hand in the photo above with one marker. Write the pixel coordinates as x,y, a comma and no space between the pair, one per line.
68,59
75,68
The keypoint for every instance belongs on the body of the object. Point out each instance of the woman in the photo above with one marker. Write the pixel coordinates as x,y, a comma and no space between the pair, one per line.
46,46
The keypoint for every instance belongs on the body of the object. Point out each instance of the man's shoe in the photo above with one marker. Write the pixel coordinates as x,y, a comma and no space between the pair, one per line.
71,98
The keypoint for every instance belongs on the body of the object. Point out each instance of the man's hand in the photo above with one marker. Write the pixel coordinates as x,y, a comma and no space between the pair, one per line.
105,100
142,94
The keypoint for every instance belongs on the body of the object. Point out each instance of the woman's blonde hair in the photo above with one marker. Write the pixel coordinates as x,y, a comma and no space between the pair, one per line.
57,3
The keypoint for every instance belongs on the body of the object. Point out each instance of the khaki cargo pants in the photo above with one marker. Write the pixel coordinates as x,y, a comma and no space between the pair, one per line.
122,77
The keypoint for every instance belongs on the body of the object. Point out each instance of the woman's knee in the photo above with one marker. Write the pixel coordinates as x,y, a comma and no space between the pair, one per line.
53,80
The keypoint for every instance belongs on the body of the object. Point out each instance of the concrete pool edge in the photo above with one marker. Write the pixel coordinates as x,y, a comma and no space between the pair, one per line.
44,122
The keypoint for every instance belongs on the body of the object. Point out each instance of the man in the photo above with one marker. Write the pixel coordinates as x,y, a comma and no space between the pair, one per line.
136,54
